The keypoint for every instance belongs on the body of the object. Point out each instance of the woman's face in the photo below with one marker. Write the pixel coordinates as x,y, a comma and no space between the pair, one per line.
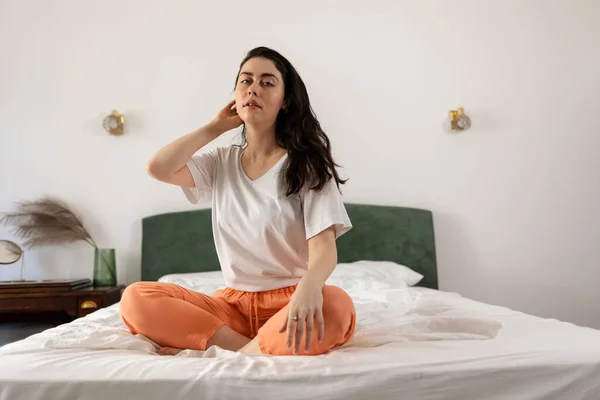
259,92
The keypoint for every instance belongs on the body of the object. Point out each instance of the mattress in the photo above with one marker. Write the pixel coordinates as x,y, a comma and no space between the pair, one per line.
410,343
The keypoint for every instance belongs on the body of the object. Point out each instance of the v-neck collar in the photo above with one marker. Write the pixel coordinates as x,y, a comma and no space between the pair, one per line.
253,181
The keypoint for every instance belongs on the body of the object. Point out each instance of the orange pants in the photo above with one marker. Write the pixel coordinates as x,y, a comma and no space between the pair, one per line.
173,316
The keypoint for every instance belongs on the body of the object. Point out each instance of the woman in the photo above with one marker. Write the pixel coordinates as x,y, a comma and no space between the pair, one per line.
277,212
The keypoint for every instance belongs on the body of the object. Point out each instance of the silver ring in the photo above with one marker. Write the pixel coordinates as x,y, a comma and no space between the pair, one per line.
294,318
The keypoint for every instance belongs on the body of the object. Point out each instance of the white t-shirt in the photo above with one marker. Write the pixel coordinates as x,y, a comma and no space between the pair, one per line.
260,234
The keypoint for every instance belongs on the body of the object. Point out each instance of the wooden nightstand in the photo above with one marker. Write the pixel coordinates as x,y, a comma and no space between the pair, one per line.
36,311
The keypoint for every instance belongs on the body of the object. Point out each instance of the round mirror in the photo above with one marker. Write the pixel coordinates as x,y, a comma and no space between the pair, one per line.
10,252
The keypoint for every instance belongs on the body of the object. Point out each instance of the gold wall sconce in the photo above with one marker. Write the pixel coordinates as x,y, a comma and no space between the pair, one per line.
113,123
459,121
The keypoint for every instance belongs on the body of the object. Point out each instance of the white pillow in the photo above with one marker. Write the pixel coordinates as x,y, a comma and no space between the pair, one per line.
363,275
203,282
380,271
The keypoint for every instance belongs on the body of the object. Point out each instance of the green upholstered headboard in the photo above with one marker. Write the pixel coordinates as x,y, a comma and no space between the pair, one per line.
182,242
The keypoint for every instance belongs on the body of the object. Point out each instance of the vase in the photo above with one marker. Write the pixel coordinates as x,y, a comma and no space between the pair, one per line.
105,267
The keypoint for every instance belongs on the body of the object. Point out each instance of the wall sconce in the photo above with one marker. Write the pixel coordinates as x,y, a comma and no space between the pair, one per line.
113,123
459,121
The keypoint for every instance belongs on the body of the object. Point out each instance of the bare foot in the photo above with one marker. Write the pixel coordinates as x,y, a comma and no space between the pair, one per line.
169,351
251,348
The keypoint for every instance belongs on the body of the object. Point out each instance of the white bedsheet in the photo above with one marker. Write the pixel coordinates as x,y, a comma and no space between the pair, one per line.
410,343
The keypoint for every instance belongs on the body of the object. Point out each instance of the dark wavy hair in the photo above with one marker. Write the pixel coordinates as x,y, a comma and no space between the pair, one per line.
310,163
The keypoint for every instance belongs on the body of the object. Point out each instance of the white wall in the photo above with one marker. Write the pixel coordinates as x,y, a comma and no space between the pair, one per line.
515,198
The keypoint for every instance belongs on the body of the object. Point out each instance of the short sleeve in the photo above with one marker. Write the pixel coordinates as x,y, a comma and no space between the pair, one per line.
323,209
203,168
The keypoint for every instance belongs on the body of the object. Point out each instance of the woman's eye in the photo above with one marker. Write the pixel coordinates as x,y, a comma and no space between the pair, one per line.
244,81
268,84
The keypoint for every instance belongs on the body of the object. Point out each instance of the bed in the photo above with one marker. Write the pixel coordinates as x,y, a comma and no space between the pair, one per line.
413,341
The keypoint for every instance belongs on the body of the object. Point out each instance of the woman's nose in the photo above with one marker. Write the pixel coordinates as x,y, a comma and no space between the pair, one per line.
252,89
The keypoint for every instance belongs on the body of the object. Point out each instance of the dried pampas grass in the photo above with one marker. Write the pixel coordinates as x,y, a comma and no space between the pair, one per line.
46,221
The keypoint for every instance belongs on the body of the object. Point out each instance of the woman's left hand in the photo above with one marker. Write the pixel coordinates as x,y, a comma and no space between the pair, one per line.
307,305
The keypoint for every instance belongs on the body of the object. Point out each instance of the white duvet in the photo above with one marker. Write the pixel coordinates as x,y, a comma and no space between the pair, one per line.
384,316
410,343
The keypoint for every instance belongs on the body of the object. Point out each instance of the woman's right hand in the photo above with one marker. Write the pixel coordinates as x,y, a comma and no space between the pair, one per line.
227,119
168,164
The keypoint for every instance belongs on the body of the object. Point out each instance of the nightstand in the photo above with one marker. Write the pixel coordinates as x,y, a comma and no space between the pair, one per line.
23,314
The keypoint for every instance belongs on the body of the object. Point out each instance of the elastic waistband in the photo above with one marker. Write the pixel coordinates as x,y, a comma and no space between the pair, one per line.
229,292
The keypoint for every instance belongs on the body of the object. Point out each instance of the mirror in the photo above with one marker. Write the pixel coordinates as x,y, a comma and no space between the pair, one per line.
10,252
